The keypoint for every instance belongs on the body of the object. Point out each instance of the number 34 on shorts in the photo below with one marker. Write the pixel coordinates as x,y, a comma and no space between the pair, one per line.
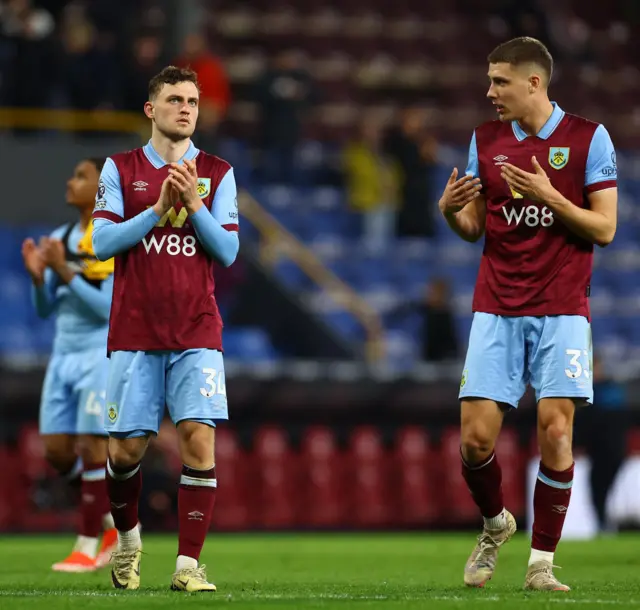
190,383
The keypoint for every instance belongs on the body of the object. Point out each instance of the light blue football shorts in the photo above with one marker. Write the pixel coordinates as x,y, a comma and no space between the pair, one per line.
190,383
552,353
73,394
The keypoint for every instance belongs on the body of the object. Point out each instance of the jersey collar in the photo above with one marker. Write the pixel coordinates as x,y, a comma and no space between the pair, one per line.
547,129
157,161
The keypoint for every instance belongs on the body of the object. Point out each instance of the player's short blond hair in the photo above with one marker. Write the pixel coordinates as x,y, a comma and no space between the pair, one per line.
171,75
523,50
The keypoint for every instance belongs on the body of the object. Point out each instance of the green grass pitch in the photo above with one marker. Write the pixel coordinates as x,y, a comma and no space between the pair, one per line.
342,571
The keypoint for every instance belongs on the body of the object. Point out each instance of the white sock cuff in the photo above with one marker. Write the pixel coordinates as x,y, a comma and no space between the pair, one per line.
94,475
121,476
195,482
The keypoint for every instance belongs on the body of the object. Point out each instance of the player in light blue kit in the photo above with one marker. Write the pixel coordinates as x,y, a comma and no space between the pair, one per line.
71,282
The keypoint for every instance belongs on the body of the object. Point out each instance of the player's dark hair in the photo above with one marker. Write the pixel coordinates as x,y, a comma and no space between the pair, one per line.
98,162
523,50
171,75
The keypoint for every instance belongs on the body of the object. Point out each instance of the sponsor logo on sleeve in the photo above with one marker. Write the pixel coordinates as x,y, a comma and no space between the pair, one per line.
611,171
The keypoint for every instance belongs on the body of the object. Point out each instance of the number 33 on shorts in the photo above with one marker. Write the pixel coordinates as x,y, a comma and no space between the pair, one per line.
579,363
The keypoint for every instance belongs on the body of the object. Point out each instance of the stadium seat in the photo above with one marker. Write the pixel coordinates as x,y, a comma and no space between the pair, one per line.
276,479
31,453
13,491
232,472
412,481
248,343
513,471
369,474
324,501
458,505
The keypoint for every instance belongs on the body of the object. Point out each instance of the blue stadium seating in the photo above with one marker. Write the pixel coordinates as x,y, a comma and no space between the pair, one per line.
389,280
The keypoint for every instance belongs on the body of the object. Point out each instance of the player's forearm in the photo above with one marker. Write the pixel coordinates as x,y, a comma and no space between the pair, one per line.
465,225
592,226
110,238
65,273
219,243
97,300
42,300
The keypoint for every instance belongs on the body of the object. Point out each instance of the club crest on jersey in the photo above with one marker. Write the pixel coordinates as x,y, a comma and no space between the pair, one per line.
558,157
204,187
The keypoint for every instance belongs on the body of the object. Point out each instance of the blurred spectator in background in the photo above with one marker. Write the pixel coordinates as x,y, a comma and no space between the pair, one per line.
27,31
145,63
416,152
372,181
439,340
215,91
571,37
602,429
284,94
86,72
228,282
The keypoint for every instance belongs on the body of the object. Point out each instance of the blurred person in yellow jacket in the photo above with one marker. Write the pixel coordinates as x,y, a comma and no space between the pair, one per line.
373,183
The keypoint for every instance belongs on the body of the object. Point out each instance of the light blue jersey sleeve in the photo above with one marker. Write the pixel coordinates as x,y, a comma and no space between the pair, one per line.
601,161
225,202
109,198
472,161
44,296
97,299
220,243
110,239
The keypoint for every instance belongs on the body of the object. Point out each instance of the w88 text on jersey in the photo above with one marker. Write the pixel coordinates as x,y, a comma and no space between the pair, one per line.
530,215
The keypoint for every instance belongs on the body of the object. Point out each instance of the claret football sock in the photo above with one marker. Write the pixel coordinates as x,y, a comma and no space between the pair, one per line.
124,485
196,498
550,503
484,481
94,500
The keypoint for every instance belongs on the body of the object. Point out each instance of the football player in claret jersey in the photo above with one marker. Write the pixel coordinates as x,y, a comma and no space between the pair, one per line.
166,212
541,186
71,283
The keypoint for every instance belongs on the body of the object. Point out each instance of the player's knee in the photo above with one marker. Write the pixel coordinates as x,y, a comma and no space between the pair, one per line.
126,452
92,449
555,434
196,444
476,443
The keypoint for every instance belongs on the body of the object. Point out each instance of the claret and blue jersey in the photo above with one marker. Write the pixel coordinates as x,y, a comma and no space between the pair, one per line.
165,331
531,320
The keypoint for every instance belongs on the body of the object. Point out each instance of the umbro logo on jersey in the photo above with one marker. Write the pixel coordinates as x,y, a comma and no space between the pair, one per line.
500,159
140,185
